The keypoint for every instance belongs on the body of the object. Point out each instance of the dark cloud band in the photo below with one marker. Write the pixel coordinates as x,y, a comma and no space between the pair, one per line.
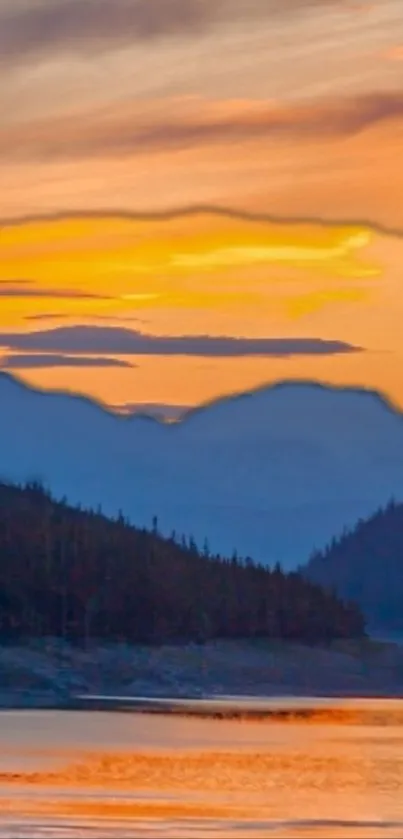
22,362
24,291
120,341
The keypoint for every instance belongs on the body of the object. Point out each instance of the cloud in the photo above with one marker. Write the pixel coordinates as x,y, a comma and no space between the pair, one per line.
95,339
22,362
77,25
21,290
118,318
93,317
28,30
139,128
21,283
50,316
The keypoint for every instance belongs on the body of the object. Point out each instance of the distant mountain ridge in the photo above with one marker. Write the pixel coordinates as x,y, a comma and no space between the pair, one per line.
273,473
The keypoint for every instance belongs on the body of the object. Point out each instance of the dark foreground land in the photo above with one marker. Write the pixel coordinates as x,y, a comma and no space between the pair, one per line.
93,605
50,673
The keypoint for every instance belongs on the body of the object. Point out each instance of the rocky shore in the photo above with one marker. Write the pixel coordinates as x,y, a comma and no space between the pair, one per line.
49,672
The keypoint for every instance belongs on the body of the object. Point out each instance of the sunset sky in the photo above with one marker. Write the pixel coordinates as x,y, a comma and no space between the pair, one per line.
201,196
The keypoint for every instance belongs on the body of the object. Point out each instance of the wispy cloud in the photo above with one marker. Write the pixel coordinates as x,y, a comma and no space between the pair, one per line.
28,30
22,362
94,339
138,128
45,316
50,316
17,282
22,290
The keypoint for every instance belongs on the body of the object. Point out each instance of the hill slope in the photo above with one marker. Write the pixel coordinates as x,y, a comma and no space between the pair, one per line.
366,564
273,473
66,572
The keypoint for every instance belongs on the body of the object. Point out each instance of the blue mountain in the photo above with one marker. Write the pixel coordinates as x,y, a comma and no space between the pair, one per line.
273,473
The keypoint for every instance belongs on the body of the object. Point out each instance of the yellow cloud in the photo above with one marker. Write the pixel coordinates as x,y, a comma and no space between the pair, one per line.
89,253
140,296
338,257
304,304
199,262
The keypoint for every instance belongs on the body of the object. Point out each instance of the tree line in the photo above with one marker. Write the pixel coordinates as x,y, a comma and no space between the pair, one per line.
76,574
366,564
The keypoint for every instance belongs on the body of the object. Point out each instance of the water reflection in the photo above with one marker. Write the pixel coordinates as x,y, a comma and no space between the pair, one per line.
121,775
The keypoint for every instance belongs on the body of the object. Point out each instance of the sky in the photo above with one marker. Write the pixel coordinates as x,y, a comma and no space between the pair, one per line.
199,197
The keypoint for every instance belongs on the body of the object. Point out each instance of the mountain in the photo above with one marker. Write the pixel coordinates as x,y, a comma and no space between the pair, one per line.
273,473
76,574
366,564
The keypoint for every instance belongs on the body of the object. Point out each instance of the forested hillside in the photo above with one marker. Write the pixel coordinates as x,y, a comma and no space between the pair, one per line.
366,564
77,574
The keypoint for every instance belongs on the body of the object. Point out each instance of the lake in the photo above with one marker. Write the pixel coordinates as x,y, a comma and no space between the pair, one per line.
105,774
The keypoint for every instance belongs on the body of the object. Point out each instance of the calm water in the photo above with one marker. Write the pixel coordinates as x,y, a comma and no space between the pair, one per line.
171,776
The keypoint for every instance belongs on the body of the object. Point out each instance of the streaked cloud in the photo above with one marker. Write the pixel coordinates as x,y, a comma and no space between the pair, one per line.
276,253
32,361
16,282
24,291
96,339
79,25
137,128
49,316
32,29
44,316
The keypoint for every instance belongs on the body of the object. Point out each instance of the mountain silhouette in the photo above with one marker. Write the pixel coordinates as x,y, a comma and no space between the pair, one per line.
273,473
77,574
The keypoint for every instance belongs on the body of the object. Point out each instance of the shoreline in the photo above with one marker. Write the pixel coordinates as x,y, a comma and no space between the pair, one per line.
221,678
344,710
277,708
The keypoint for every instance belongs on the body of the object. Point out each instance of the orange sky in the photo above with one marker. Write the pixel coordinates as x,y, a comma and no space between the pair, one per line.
293,111
202,274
